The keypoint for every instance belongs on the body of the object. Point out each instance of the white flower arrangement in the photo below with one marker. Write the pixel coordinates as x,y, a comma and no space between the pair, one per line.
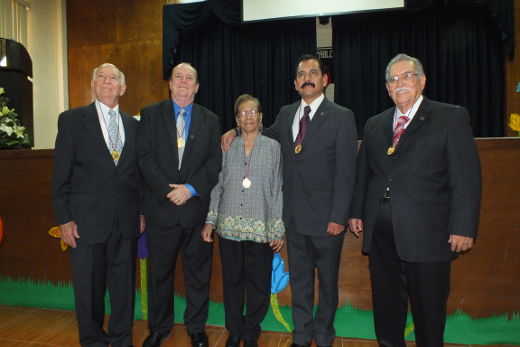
12,133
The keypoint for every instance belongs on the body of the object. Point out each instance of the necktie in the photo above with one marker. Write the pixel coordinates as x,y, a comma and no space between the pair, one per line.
181,127
115,142
399,129
304,124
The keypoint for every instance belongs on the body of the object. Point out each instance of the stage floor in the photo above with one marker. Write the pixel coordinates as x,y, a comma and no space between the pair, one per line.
36,327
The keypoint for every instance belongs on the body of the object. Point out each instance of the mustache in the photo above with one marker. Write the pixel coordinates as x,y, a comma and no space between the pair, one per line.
402,89
308,84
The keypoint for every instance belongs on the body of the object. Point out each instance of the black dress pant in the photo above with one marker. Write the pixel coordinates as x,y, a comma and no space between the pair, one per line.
94,268
164,244
306,255
394,281
246,270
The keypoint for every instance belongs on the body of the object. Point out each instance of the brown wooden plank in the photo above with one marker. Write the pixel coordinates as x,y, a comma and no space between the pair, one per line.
20,326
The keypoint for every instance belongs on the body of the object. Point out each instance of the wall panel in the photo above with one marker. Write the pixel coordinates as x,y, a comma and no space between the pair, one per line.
484,281
127,33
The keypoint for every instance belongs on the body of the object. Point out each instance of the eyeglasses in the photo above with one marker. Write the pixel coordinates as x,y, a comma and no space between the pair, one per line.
244,114
406,77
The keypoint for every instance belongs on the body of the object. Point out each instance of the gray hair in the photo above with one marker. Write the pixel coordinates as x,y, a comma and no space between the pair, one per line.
244,98
121,74
404,57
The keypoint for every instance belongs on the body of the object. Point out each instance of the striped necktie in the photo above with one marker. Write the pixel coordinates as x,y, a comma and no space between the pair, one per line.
399,129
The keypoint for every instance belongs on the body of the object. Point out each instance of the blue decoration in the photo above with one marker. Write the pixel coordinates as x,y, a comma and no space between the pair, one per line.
518,87
142,246
279,277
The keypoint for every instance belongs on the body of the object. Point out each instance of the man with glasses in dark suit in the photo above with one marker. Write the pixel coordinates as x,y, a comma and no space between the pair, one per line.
417,200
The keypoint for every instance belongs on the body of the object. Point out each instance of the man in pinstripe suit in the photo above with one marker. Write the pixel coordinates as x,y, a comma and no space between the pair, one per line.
417,199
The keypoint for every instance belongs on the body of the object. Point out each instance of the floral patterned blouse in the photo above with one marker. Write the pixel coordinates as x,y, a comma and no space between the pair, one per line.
255,213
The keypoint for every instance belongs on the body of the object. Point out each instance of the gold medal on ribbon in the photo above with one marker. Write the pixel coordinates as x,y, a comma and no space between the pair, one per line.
180,142
246,183
298,149
391,150
115,154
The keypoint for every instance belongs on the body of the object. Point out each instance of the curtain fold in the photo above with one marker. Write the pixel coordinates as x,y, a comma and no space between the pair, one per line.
234,58
458,41
460,48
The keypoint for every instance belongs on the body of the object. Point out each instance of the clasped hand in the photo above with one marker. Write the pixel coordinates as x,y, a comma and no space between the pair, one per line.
179,194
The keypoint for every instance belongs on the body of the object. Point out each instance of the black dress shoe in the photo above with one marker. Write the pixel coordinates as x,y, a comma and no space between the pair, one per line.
154,340
250,343
233,341
324,346
297,345
199,340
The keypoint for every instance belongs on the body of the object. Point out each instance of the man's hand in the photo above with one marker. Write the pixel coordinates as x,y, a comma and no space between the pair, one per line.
460,243
179,194
142,225
206,232
227,139
69,233
356,226
335,229
276,245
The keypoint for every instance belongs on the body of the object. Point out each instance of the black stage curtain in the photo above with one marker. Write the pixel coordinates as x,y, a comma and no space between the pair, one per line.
234,58
459,43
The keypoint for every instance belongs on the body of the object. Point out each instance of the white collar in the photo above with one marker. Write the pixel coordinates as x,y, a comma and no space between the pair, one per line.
314,105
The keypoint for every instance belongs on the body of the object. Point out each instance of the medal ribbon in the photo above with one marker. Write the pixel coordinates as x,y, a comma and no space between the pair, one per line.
247,163
115,144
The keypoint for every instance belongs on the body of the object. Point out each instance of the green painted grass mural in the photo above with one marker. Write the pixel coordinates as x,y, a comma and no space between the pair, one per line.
350,322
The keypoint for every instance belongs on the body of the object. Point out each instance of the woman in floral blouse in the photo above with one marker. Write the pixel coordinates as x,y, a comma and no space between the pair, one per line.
246,212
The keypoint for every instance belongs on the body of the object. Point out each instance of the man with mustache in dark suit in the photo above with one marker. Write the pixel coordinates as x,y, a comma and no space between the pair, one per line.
417,199
318,140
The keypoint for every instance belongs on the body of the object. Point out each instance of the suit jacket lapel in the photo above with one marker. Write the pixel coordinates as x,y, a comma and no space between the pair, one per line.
287,123
195,125
388,125
91,123
422,114
290,119
171,127
317,120
129,136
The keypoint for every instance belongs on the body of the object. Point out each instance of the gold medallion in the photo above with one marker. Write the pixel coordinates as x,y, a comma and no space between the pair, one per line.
180,142
246,183
115,154
391,150
298,149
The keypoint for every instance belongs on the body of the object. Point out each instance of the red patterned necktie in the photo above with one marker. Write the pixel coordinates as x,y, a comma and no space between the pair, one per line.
399,129
304,124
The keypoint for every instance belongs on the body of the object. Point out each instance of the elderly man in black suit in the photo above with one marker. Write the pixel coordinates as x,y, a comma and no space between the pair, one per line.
180,159
96,191
318,140
417,200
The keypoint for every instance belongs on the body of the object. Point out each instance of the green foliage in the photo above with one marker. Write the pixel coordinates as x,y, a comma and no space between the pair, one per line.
12,133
